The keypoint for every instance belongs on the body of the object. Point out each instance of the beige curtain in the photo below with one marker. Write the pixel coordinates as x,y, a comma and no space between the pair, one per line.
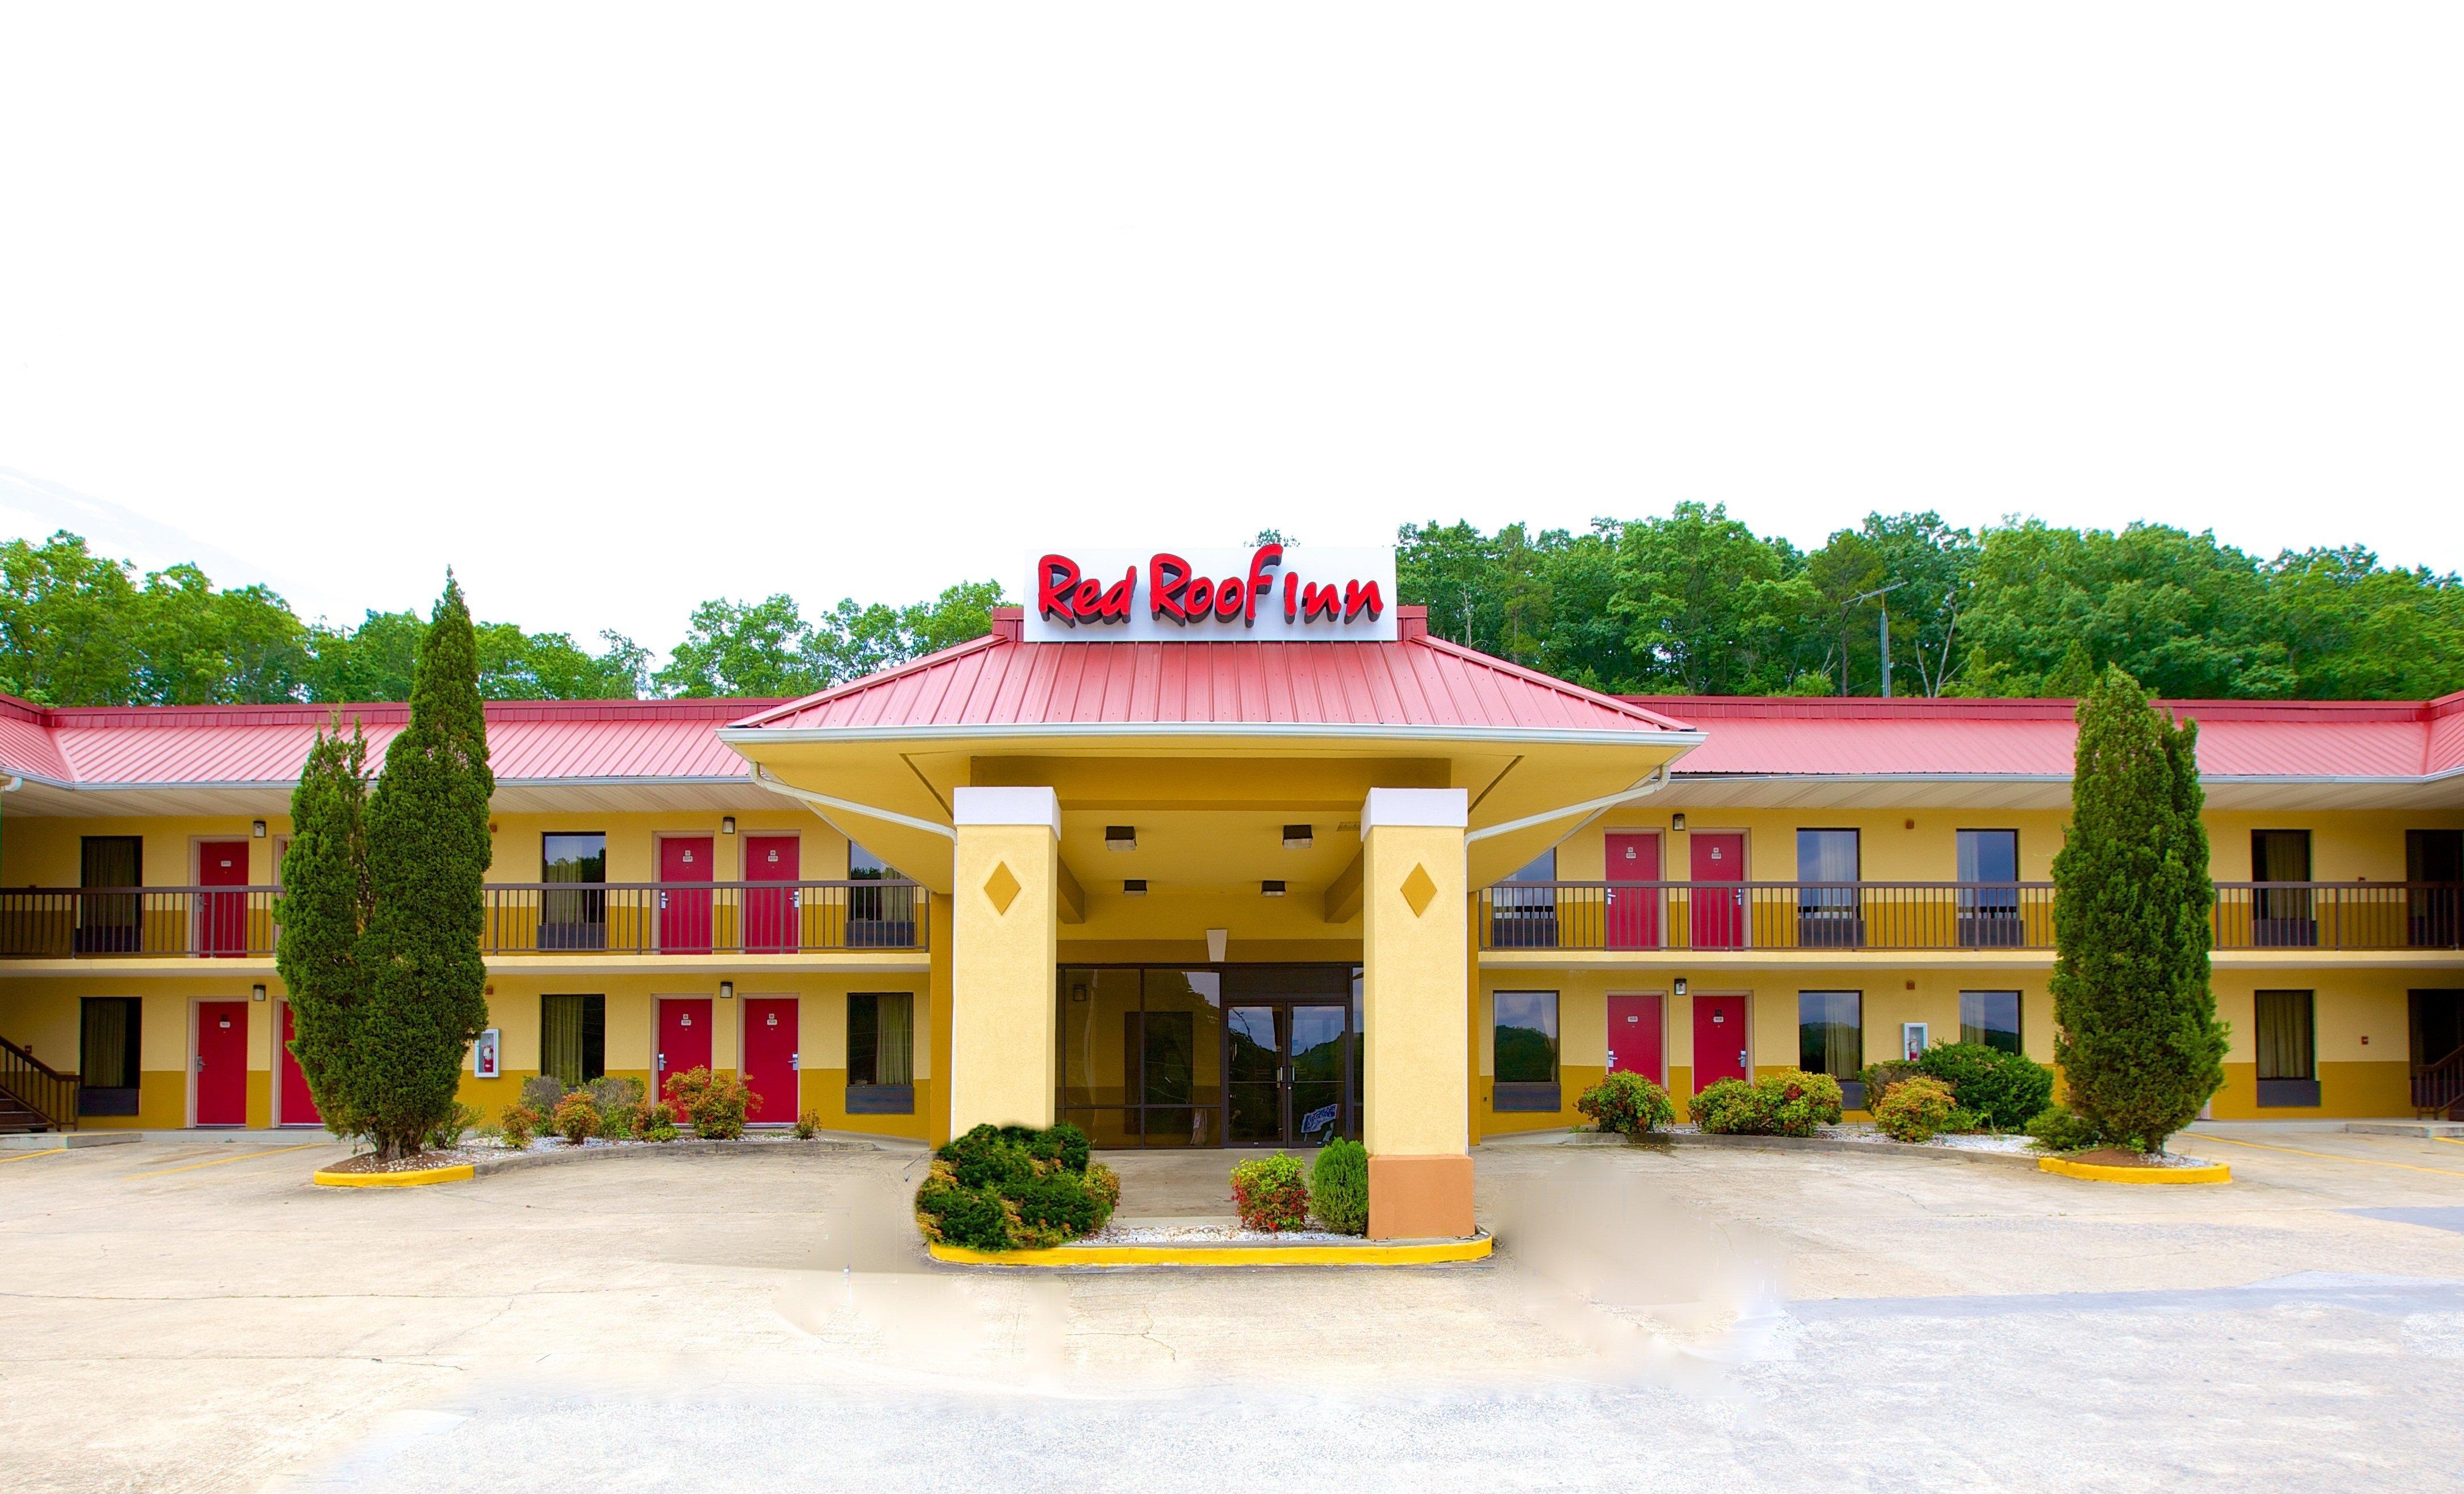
560,1038
896,1063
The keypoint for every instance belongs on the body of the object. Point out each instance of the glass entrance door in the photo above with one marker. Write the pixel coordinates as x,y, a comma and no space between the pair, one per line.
1288,1073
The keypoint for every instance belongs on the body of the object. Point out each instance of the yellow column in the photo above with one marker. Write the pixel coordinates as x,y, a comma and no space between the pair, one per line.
1004,947
1414,926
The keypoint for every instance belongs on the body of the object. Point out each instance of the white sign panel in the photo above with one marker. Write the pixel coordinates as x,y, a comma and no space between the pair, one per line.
1255,594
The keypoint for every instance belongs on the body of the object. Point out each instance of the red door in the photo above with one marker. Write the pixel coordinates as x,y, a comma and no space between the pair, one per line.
684,1037
299,1106
1719,911
684,915
770,1058
770,916
1633,911
1719,1039
222,1063
1635,1034
222,918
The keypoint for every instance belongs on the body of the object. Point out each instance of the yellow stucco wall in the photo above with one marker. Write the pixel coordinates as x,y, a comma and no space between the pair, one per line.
1416,1103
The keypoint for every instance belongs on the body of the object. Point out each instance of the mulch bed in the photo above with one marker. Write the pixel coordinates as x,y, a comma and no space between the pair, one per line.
2115,1156
366,1162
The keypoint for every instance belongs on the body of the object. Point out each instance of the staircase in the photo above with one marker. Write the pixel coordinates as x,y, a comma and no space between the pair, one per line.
17,1117
2438,1089
34,1095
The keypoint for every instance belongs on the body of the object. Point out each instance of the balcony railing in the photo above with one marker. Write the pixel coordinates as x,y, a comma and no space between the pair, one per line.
522,918
1940,915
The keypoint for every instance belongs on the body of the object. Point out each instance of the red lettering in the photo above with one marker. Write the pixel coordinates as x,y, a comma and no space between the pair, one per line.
1163,595
1260,584
1362,596
1230,593
1199,598
1116,605
1057,577
1292,596
1086,600
1318,601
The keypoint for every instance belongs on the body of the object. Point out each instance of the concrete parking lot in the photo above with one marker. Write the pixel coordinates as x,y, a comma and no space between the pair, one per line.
184,1316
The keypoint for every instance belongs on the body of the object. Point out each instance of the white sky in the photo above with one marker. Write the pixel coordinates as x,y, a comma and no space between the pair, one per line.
616,309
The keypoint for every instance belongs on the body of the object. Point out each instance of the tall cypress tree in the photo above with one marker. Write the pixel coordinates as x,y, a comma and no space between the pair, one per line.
324,911
426,999
2139,1042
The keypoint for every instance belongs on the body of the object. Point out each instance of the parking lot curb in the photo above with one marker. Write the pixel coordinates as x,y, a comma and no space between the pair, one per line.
418,1177
2090,1172
1400,1252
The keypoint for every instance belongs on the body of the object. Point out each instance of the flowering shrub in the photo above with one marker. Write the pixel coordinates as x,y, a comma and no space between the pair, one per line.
1791,1103
519,1123
1915,1110
1270,1193
1627,1104
715,1103
1010,1188
808,1124
1339,1188
576,1119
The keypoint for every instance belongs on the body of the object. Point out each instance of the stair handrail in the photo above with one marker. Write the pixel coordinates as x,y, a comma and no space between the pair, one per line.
43,1088
2440,1086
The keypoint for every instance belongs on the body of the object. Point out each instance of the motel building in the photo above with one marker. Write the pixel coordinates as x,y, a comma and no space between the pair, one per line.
1226,850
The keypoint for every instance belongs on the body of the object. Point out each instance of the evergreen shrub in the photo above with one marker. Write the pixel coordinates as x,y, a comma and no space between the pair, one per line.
448,1133
1270,1193
1338,1191
2002,1090
542,1092
1878,1078
1791,1103
1915,1110
1628,1104
2063,1130
1012,1188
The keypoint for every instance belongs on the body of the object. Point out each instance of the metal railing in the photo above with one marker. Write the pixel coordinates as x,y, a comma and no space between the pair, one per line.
1939,915
38,1087
2438,1089
521,918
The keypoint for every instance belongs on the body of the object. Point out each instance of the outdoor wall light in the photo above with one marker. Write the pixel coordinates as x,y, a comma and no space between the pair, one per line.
727,990
727,824
1680,985
257,993
1272,888
1135,886
256,828
1120,837
1677,821
1297,837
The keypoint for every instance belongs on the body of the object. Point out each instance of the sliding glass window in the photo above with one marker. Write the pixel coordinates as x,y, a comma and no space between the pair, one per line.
1989,893
110,913
1526,1051
1828,917
573,910
2283,915
881,1053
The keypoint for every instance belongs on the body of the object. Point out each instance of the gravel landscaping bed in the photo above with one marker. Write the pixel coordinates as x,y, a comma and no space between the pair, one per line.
1135,1234
490,1156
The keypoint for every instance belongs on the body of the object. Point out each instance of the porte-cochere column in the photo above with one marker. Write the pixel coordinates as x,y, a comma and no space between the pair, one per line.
1415,925
1006,955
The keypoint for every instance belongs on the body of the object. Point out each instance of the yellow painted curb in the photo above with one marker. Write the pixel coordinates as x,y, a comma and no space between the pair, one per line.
2213,1172
1423,1253
421,1178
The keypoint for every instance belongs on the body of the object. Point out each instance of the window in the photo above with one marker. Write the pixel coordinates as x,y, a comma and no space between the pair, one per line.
1827,917
878,917
1831,1038
881,1053
1526,917
1526,1050
573,919
107,1054
2433,863
1990,1018
2281,914
1988,896
2287,1053
573,1037
110,922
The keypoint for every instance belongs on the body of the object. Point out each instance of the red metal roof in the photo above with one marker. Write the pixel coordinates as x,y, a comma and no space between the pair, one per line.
1000,680
1998,739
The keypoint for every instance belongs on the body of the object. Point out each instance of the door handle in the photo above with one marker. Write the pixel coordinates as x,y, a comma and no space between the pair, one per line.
1740,1057
201,1062
663,1062
663,902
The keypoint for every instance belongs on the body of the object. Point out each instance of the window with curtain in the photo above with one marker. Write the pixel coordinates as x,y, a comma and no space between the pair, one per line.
108,1043
2433,863
2284,1034
110,922
1526,917
573,910
2282,913
1828,916
1989,903
878,917
1990,1018
1525,1050
573,1037
1831,1033
881,1053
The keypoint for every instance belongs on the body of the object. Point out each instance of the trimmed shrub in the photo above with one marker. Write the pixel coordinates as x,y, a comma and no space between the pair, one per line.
1270,1193
1338,1191
614,1093
2063,1130
808,1124
2005,1090
541,1091
1915,1110
648,1116
1792,1103
1878,1078
715,1103
576,1119
449,1132
519,1123
1626,1104
617,1124
1010,1188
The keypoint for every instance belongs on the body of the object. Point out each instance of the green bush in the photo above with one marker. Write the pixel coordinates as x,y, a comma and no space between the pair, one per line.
541,1092
519,1123
808,1124
612,1094
449,1132
1270,1193
617,1124
1010,1188
576,1119
2063,1130
1915,1110
650,1117
715,1103
2005,1090
1626,1104
1878,1078
1338,1188
1791,1103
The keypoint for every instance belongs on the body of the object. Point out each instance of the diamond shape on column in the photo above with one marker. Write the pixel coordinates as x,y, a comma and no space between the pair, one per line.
1419,888
1001,888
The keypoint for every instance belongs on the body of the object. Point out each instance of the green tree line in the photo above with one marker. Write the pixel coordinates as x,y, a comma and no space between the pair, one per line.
81,629
1696,602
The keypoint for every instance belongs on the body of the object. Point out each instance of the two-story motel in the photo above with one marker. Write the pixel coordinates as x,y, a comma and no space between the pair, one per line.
1195,888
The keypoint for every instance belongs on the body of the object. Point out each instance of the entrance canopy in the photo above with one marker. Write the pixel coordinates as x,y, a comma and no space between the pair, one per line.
1208,752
